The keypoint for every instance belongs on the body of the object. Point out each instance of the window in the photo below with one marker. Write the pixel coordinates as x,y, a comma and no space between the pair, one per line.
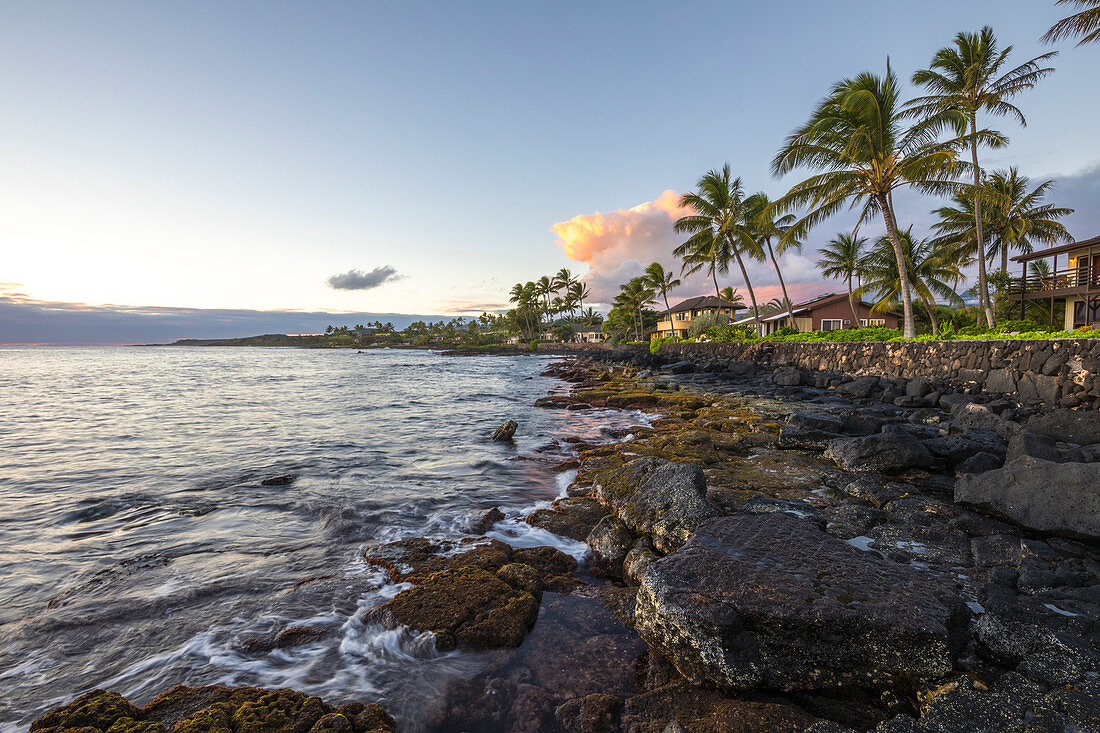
831,324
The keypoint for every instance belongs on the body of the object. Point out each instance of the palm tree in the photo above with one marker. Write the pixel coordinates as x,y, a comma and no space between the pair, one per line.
730,295
661,281
1012,216
1085,24
578,291
718,226
968,78
842,259
632,298
546,288
933,270
767,225
856,138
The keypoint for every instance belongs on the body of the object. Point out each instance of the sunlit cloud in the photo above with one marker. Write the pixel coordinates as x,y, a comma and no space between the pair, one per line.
618,245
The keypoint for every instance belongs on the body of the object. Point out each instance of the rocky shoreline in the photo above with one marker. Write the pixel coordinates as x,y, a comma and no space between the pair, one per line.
778,551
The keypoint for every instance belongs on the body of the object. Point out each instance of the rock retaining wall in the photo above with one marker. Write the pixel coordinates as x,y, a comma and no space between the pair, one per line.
1063,371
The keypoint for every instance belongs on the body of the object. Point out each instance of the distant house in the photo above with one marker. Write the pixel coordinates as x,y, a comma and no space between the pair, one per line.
589,336
829,312
513,340
687,311
1074,281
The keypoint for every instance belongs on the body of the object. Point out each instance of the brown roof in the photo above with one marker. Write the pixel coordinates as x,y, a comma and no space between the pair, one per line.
809,305
1051,251
703,301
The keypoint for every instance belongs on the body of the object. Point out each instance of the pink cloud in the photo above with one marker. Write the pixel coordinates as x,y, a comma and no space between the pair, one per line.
618,245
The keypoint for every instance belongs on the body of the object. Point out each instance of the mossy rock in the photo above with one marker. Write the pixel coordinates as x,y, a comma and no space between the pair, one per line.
98,709
572,517
413,560
466,606
213,709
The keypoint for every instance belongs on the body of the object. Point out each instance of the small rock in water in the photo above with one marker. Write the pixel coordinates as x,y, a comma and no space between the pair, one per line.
284,480
506,431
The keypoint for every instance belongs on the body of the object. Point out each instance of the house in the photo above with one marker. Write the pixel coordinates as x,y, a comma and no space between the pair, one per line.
687,311
1074,281
589,336
829,312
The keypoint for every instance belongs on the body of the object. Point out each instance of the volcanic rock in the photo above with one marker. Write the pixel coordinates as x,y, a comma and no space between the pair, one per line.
1060,498
771,601
882,452
505,431
659,498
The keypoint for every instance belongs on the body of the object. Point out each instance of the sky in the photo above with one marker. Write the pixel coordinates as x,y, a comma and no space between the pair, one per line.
227,162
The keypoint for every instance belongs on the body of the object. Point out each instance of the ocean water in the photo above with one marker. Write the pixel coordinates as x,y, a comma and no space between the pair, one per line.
139,549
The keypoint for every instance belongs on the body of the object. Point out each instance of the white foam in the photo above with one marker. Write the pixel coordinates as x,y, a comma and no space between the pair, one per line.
518,533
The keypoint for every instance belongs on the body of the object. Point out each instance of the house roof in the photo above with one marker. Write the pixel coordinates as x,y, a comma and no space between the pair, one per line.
1051,251
703,301
806,306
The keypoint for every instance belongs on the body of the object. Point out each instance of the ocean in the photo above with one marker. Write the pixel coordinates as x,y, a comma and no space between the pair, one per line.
139,548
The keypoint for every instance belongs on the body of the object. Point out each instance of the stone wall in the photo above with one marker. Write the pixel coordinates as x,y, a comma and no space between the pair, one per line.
1064,371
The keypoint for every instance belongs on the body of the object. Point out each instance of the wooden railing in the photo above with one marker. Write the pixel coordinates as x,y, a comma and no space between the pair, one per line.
1062,281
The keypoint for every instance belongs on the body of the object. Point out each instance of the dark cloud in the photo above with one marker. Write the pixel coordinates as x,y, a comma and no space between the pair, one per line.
26,321
359,280
1080,192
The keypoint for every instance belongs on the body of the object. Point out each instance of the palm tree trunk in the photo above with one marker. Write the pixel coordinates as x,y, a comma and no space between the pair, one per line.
714,275
910,330
1004,257
668,308
983,281
852,303
748,286
782,285
931,315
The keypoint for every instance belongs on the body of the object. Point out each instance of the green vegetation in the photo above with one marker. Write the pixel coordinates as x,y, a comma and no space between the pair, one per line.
1008,329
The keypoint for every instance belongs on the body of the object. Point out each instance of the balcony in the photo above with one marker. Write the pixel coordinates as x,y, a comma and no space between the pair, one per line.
1057,285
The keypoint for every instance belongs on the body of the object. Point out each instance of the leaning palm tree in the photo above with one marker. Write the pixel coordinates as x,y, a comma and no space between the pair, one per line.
969,78
661,281
767,225
546,288
856,137
1085,24
632,298
842,259
718,227
933,273
1013,217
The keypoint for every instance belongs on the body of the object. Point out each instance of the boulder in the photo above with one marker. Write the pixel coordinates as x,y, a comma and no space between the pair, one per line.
572,517
1069,426
813,429
506,431
973,416
658,498
788,377
610,541
467,606
595,713
771,601
1060,498
958,447
979,463
859,387
1027,443
882,452
284,480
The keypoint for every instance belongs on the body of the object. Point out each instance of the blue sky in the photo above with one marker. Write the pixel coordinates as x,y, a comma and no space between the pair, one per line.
238,155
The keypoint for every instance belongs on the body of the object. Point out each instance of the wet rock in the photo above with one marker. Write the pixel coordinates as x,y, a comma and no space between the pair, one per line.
298,635
506,431
415,559
486,519
610,541
214,708
682,707
771,601
594,713
572,517
875,490
800,509
522,577
1060,498
284,480
882,452
658,498
466,606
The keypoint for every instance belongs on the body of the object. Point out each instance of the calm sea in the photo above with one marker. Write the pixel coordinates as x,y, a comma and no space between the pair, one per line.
138,548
